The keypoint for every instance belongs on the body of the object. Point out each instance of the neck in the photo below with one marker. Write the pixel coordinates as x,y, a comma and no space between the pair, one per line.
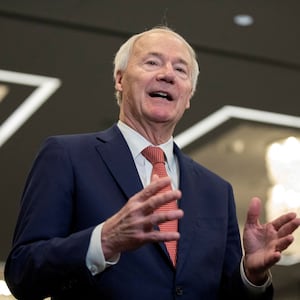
155,133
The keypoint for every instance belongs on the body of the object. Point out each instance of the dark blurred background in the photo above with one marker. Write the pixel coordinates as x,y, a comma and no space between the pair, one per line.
249,56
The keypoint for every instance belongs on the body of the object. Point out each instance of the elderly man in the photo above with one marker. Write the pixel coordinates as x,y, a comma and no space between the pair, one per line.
124,214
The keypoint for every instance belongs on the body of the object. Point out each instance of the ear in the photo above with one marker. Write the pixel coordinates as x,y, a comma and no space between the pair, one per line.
188,101
118,81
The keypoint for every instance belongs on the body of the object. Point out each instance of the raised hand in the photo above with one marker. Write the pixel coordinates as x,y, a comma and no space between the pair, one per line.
134,225
263,243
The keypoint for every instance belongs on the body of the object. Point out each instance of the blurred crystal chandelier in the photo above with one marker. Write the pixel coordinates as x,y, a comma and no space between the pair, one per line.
283,167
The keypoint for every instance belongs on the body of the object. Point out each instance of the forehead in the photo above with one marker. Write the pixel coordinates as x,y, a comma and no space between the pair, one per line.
163,43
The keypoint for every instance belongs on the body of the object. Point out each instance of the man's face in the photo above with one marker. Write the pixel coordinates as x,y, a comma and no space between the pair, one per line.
156,85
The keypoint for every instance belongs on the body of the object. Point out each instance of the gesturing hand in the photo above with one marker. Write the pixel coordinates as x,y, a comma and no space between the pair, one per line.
133,225
263,243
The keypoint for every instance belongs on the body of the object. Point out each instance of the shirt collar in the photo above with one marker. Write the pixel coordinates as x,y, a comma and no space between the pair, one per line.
136,142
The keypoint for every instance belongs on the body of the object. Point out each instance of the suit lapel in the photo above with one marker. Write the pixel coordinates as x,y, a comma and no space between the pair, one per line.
191,205
118,159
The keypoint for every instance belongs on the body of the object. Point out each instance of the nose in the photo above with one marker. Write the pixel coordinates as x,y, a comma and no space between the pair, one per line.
166,73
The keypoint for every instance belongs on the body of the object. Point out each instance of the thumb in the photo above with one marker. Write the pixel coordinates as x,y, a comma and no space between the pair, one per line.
254,210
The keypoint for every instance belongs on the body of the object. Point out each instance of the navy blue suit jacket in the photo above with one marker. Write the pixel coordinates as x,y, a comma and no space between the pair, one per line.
77,182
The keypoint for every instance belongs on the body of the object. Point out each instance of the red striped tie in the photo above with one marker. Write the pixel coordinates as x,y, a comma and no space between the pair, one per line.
155,155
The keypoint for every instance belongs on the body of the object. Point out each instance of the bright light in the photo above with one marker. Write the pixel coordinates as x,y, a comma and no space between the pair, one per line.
243,20
283,166
4,289
283,163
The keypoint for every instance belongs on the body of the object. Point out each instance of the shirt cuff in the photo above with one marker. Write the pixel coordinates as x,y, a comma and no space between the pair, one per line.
255,289
95,260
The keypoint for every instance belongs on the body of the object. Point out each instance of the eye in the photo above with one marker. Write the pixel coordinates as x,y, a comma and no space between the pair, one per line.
181,70
151,62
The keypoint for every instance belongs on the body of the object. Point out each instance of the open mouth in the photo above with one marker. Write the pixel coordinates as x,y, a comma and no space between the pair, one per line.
164,95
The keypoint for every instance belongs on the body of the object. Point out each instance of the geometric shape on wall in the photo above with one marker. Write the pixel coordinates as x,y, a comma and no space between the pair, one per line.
228,112
44,87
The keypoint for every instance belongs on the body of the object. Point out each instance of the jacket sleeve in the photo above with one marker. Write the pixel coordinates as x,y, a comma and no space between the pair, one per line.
47,254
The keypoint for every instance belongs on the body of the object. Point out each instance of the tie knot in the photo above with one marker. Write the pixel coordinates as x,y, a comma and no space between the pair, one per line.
154,154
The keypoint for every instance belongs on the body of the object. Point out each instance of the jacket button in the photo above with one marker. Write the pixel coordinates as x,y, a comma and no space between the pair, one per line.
179,291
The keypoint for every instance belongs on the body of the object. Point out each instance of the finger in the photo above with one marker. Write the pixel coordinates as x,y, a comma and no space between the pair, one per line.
153,188
289,227
284,219
254,211
272,259
154,177
151,223
158,200
161,217
160,236
284,242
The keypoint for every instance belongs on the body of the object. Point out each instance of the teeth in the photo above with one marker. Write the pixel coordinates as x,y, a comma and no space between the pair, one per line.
160,94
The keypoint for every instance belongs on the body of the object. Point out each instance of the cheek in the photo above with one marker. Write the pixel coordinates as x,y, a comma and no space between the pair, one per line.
127,87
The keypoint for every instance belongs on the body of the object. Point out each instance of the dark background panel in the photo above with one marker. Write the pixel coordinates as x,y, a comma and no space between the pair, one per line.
75,41
84,102
207,24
